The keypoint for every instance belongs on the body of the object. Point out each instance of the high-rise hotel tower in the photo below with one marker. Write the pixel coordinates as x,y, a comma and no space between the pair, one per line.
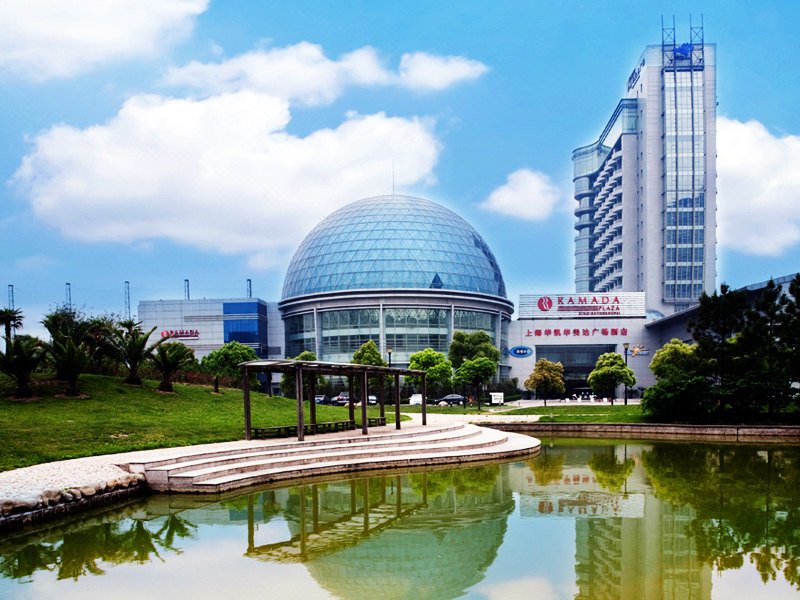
646,189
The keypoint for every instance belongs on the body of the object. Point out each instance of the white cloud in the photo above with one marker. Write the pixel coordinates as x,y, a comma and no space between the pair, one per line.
220,174
526,194
421,71
758,188
43,39
304,74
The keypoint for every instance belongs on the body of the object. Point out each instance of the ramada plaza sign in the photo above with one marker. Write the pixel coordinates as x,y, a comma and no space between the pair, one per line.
182,334
590,304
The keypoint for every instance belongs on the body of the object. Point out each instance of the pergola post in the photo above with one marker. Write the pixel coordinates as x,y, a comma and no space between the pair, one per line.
350,401
246,394
313,405
365,394
298,388
269,383
380,395
396,400
424,401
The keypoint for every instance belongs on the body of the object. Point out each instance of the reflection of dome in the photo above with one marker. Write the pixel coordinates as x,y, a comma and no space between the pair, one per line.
391,242
431,555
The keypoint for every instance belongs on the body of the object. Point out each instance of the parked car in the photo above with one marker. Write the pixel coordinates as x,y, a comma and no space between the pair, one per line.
323,399
343,399
452,400
415,399
372,399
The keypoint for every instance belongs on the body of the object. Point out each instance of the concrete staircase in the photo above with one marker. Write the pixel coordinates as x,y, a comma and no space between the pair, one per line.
384,448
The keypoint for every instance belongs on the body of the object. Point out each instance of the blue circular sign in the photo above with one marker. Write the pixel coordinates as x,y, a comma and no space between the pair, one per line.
520,351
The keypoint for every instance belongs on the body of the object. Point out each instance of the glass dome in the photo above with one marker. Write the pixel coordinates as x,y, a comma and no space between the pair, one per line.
391,242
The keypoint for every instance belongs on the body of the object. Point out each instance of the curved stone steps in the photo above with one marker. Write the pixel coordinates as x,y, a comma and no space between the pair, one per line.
340,453
477,440
158,472
386,432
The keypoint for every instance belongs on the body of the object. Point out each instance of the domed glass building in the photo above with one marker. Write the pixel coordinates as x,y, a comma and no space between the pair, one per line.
402,271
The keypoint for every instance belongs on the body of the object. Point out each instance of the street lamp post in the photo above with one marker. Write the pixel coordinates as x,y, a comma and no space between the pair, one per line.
626,345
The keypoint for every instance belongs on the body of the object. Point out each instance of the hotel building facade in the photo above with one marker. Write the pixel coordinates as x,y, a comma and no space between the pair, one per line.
646,189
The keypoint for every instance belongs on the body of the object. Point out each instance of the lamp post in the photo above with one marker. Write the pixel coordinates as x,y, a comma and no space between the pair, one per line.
626,345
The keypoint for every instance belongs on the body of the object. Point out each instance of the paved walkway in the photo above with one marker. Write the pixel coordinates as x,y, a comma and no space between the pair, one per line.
30,484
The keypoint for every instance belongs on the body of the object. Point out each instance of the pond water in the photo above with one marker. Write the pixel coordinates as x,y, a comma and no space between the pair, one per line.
584,519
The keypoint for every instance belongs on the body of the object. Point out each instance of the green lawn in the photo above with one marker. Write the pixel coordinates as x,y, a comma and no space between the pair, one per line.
619,413
119,418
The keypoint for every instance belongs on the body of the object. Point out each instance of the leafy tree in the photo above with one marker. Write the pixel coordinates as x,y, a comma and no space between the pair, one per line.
547,379
22,357
100,340
438,370
468,346
720,317
11,319
789,327
226,360
477,372
765,352
132,348
609,372
368,354
169,358
287,379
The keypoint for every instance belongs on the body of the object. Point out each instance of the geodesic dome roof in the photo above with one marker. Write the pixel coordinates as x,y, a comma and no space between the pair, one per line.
393,242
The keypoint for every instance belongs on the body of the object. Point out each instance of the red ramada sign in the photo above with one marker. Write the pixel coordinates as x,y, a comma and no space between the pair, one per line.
583,306
185,334
622,304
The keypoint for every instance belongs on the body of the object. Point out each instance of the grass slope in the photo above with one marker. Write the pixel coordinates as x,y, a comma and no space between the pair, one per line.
115,417
619,413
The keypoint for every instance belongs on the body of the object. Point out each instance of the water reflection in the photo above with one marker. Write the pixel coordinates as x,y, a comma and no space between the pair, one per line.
648,520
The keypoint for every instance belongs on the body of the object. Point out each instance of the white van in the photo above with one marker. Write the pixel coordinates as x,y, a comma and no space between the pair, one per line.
415,399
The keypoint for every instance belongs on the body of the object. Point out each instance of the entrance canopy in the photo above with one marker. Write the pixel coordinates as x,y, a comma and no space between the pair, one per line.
313,367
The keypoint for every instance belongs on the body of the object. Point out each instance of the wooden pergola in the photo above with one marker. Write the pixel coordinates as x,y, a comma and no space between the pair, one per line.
301,368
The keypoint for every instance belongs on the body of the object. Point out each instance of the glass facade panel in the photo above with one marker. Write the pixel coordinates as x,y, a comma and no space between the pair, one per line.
471,320
684,179
410,330
345,331
246,323
300,334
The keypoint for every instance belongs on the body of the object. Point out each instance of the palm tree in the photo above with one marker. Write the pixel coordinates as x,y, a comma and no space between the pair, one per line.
169,358
71,356
23,355
11,319
132,349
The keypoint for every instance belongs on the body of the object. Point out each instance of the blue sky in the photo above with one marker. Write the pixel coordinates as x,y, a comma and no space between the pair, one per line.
159,140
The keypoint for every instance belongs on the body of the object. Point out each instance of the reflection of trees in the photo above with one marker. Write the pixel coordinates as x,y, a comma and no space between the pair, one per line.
746,502
548,467
472,480
82,550
610,473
